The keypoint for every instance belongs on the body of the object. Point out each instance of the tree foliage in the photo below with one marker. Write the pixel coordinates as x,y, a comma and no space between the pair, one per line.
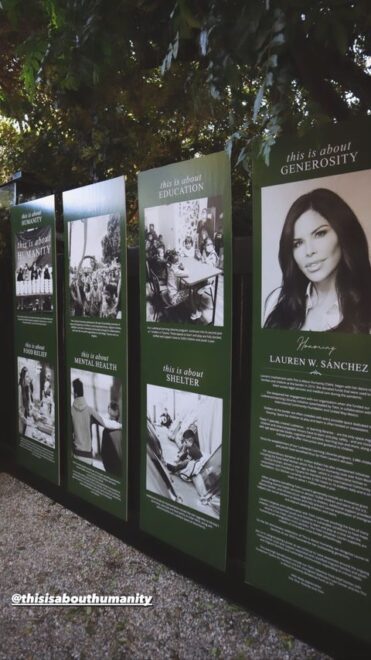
88,97
111,241
90,89
305,62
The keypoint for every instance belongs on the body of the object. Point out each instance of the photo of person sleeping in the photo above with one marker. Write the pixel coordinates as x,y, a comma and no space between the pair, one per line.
184,458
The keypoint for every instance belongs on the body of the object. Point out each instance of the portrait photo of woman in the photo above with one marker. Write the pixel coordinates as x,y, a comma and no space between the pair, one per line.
323,255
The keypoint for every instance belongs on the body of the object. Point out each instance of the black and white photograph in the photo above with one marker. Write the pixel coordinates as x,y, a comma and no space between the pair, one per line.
316,237
184,262
36,402
34,270
184,448
94,246
96,412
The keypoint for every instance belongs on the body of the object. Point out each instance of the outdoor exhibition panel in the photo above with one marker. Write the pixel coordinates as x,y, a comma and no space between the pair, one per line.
36,341
96,344
185,271
309,518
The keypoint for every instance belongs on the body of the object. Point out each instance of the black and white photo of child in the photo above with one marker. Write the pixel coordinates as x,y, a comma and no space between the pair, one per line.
184,256
36,404
97,420
184,448
94,246
316,273
34,270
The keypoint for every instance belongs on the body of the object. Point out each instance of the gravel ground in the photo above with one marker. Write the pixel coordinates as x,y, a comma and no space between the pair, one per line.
46,548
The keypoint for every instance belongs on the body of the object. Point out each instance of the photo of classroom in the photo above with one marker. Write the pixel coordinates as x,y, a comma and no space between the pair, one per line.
97,420
184,262
184,452
36,405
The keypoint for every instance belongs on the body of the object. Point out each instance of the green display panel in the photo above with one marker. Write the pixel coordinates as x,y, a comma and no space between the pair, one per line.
309,517
96,344
186,302
36,341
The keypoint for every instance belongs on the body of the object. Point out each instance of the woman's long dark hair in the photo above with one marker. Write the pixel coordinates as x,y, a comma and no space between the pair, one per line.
353,274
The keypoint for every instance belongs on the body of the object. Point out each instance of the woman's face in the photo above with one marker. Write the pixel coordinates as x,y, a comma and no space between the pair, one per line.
316,247
27,378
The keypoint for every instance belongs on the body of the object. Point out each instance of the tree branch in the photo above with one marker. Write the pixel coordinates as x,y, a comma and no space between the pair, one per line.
309,69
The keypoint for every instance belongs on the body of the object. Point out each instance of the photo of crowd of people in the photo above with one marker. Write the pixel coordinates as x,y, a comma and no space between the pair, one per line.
184,453
95,267
184,262
36,405
96,413
34,270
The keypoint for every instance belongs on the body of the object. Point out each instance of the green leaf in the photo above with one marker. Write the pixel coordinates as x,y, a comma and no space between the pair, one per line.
272,61
258,101
241,156
175,48
228,147
277,40
203,41
279,23
269,79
